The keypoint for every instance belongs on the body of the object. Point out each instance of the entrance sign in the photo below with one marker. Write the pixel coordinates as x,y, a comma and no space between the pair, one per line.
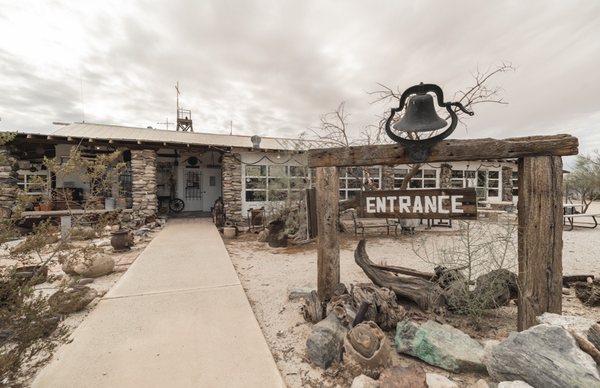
419,204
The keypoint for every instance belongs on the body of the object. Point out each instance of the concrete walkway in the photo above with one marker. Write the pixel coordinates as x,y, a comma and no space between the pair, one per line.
177,318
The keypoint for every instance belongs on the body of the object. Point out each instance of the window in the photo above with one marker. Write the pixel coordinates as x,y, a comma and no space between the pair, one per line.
423,178
493,183
515,183
274,182
353,179
463,178
33,183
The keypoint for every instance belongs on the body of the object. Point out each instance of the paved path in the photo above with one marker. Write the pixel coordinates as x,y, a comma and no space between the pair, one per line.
177,318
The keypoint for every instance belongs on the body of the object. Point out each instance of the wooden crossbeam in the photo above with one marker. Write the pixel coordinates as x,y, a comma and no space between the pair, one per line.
447,151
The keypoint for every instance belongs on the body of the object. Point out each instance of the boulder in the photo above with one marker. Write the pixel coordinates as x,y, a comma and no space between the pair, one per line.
440,345
94,266
438,381
580,325
277,237
543,356
401,377
71,300
363,381
514,384
324,344
263,235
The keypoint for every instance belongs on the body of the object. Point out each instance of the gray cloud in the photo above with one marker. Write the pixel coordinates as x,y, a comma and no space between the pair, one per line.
272,67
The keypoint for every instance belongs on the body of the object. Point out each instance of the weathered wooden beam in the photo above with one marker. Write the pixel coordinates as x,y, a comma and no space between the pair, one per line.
540,238
447,151
328,246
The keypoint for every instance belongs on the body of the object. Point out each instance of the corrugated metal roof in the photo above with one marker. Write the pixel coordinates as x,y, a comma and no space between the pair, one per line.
117,132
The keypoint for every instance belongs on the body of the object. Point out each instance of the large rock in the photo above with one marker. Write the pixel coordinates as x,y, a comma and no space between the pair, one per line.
569,322
71,300
91,266
401,377
543,356
439,345
324,344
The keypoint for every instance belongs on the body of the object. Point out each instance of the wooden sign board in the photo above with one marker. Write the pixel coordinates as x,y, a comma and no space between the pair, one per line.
419,204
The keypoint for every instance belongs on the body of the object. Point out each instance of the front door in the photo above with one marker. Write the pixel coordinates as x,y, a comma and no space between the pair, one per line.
212,187
192,188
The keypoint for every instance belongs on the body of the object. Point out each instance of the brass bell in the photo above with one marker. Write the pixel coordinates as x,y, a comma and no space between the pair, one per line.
420,115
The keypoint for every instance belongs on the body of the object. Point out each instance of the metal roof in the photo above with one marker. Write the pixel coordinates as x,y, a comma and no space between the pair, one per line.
123,133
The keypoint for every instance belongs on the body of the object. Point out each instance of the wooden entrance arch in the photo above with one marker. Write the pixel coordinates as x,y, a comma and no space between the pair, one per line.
540,211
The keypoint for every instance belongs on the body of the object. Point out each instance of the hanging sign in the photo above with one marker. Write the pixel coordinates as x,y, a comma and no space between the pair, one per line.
419,204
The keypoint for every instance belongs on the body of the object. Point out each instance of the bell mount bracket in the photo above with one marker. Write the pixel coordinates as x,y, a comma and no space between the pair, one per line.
419,149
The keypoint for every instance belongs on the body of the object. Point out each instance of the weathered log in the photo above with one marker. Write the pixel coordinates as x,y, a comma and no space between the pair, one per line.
540,242
446,151
328,246
594,335
381,308
586,346
424,293
588,292
568,280
324,344
366,350
405,271
312,310
343,307
361,313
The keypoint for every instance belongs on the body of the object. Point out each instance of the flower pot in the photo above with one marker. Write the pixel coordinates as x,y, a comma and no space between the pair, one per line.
229,232
121,240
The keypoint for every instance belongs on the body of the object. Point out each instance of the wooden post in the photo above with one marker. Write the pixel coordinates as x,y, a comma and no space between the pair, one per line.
540,238
328,246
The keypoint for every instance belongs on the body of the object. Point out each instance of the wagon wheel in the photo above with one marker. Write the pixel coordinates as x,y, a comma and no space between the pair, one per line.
176,205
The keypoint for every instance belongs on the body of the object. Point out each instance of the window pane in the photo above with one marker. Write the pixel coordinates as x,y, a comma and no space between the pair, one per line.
493,174
278,195
342,194
256,170
297,171
470,174
277,170
252,196
298,183
376,183
354,184
419,174
352,193
278,183
400,172
397,183
457,183
429,174
429,183
355,172
256,183
416,184
492,193
374,171
493,183
457,173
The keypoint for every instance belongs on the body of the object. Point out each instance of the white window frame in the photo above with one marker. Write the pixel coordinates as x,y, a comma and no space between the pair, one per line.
401,171
25,182
268,176
346,177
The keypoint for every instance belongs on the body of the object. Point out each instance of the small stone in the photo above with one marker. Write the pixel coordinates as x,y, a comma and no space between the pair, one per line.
514,384
438,381
84,281
71,300
363,381
401,377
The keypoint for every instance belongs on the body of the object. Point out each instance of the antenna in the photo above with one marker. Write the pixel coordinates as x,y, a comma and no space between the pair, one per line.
230,127
184,116
166,123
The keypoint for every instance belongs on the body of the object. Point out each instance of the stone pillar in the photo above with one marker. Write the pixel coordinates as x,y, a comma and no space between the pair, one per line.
387,177
143,174
231,171
445,176
507,186
8,183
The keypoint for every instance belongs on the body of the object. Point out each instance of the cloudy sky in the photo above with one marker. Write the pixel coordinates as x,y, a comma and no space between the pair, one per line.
273,67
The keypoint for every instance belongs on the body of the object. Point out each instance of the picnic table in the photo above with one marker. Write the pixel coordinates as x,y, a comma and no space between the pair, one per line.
570,215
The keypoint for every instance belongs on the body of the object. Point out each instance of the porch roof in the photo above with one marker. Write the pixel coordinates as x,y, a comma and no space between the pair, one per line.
118,133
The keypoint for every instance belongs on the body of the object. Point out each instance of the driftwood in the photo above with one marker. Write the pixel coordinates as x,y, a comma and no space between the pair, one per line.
586,346
312,310
588,292
405,271
366,350
425,294
568,280
594,335
380,305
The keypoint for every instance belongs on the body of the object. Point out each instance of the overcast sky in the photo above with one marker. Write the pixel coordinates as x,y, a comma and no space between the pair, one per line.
273,67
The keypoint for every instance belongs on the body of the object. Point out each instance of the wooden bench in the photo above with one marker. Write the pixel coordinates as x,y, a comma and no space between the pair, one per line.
360,225
569,219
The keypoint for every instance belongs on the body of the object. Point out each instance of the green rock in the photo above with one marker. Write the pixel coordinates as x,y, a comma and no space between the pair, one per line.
439,345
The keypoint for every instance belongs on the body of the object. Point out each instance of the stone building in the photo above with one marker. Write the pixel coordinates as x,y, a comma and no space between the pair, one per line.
199,168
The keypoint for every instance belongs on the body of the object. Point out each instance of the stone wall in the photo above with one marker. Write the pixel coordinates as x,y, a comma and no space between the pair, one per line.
507,186
143,174
445,176
8,182
231,171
